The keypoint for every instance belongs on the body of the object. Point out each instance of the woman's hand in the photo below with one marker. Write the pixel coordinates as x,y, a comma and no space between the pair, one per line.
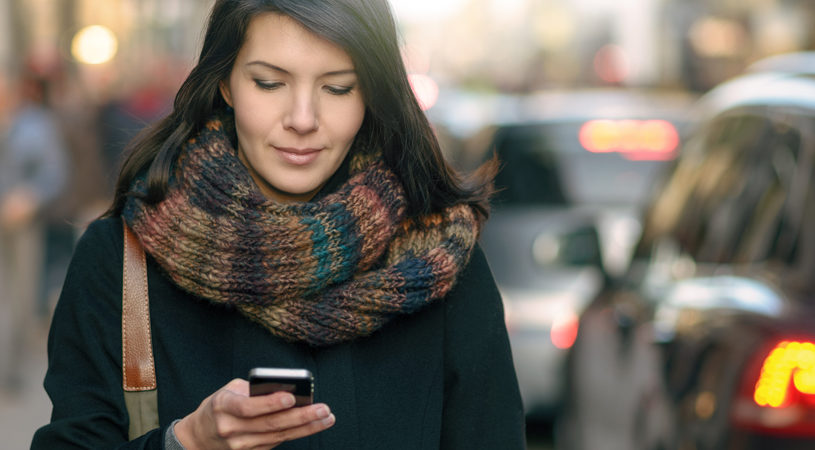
231,419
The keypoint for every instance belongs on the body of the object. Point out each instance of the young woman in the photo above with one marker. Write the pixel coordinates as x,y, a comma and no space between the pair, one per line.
296,212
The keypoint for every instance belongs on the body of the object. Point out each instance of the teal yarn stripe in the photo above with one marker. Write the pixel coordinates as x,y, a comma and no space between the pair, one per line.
319,249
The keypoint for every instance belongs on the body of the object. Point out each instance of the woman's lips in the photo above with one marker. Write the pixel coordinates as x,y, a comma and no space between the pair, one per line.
298,156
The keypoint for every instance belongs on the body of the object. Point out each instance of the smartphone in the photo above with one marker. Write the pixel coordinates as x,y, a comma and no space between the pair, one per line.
267,380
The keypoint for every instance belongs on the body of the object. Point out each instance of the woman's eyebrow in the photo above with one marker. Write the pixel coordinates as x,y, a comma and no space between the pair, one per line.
282,70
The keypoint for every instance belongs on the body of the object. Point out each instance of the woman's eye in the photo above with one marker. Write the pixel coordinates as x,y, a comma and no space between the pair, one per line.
339,90
268,85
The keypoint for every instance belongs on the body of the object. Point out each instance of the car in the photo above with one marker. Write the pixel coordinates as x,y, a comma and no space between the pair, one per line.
707,340
547,265
574,166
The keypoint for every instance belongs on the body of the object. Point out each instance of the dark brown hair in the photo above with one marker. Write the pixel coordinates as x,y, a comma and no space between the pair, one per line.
394,121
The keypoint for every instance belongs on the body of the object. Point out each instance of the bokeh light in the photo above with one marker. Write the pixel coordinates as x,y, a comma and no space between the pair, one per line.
94,44
425,89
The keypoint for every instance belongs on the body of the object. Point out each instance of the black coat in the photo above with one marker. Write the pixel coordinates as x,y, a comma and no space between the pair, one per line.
441,378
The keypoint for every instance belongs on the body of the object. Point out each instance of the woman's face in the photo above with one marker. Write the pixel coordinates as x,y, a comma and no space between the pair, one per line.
297,107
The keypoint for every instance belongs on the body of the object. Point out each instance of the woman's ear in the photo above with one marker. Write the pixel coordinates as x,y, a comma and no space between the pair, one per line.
223,86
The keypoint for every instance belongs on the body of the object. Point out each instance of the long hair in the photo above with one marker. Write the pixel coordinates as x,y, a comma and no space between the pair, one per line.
394,122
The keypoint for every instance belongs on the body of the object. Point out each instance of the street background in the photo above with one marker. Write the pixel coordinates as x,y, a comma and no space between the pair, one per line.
112,66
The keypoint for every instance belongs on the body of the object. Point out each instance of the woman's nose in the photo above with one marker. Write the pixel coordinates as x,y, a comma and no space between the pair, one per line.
302,113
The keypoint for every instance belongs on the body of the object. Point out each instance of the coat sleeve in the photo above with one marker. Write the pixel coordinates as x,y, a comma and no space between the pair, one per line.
482,403
84,377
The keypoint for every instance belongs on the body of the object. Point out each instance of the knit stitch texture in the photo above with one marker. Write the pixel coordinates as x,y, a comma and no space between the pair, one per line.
319,272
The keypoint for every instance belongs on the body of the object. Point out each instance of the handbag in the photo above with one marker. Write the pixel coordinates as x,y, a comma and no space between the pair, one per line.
138,367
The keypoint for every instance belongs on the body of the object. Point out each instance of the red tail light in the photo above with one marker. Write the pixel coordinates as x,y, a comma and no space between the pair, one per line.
778,392
787,370
634,139
564,330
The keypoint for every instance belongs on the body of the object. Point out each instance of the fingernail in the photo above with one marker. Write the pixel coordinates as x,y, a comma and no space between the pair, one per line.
323,412
329,420
288,401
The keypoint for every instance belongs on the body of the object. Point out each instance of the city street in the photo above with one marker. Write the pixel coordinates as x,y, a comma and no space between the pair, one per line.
653,166
21,413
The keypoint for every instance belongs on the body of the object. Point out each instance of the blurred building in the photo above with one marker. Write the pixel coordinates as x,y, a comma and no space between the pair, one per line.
524,45
149,36
505,45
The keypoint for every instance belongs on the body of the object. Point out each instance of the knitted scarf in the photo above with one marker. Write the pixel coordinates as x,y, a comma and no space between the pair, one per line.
319,272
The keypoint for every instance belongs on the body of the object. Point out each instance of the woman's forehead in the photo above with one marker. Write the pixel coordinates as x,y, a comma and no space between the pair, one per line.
276,38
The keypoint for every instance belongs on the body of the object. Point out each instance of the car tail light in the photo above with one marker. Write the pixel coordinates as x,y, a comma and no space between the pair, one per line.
777,394
564,330
634,139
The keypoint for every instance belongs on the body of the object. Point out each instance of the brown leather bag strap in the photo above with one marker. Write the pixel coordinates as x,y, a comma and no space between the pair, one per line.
138,368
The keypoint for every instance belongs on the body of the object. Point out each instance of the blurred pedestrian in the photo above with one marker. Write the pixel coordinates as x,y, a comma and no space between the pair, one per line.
122,117
32,173
297,212
84,196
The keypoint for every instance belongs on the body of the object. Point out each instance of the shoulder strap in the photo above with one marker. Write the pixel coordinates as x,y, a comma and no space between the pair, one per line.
138,368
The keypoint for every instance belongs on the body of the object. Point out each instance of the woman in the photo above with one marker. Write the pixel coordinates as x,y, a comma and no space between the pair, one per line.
296,212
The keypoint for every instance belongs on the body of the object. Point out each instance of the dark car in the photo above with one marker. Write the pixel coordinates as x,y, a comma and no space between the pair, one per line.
574,170
708,339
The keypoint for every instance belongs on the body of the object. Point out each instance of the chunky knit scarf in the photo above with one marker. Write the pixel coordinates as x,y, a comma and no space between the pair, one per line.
321,272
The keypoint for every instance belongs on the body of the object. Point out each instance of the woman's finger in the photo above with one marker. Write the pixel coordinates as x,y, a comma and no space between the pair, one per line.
233,403
309,428
238,386
289,419
272,439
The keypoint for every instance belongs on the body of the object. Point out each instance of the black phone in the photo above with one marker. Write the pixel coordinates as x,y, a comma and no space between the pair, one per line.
267,380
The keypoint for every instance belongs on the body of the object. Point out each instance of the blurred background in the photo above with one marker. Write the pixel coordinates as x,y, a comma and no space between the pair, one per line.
78,78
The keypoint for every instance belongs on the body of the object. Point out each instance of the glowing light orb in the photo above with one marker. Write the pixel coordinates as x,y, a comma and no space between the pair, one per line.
94,44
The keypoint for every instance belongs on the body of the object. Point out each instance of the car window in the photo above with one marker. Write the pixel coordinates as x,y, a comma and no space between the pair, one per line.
704,177
546,164
529,173
773,228
738,192
799,274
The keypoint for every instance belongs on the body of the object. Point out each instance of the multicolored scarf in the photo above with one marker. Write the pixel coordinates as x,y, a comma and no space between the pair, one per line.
320,272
